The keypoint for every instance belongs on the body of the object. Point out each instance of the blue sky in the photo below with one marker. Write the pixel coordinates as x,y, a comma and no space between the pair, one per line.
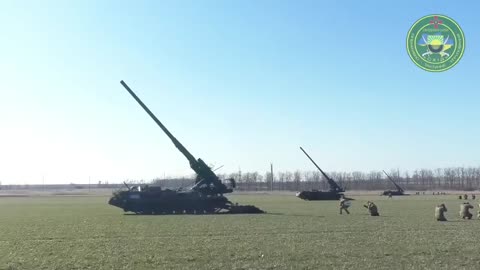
240,83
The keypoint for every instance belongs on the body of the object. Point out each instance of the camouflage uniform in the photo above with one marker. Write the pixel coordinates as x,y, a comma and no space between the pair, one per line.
343,206
465,210
372,208
439,212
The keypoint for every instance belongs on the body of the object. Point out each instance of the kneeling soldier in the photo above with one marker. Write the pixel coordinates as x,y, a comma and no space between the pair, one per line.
372,208
465,210
439,212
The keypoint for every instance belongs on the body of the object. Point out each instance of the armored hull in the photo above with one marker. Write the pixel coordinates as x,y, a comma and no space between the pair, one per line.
394,193
163,202
317,195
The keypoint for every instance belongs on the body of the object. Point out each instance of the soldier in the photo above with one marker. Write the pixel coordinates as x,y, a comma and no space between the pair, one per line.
465,210
473,196
372,208
460,197
344,204
465,197
439,212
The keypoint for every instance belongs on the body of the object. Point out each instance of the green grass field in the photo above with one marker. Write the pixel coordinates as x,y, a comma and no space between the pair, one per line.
86,233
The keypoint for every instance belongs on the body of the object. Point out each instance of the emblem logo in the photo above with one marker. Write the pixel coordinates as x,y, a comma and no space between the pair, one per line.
435,43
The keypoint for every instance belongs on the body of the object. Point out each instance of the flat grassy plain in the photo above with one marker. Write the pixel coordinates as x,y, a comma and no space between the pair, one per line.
83,232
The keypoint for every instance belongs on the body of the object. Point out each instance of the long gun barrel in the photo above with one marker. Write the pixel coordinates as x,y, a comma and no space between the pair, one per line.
333,184
204,174
177,144
397,186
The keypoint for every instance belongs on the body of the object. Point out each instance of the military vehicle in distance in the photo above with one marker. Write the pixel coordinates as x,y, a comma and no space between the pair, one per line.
204,197
398,192
334,193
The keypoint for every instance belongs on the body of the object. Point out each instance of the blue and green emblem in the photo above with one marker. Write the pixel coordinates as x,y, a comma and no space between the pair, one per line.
435,43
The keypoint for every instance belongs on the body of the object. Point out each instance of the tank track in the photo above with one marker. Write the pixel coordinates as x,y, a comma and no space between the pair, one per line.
245,209
228,209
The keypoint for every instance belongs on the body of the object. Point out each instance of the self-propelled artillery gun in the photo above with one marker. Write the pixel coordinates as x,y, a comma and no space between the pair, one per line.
205,196
334,193
398,192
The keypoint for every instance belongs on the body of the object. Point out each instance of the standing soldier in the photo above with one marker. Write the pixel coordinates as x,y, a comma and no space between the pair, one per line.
344,204
465,197
439,212
372,208
473,196
465,210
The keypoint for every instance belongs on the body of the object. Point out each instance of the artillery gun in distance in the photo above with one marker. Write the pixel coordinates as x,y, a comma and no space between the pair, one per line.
398,192
334,193
205,196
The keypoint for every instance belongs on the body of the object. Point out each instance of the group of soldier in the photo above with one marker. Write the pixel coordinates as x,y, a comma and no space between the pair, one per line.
371,207
434,193
439,209
465,197
464,211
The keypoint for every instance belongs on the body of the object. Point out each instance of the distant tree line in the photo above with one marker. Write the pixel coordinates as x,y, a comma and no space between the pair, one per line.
457,178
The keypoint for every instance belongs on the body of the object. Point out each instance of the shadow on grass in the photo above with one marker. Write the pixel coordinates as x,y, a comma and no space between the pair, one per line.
293,215
450,221
191,214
